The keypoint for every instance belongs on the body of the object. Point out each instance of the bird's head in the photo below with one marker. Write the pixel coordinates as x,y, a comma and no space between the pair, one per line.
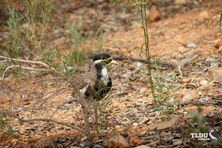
103,59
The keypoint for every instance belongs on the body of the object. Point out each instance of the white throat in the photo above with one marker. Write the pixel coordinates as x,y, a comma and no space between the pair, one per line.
105,75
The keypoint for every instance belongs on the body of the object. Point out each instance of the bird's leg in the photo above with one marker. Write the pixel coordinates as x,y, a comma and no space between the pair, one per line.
84,105
96,118
86,119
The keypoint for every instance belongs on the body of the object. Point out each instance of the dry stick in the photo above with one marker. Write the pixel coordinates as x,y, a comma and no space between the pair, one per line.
201,103
51,94
45,120
30,62
85,5
33,82
19,66
121,58
20,87
59,106
185,61
143,60
96,118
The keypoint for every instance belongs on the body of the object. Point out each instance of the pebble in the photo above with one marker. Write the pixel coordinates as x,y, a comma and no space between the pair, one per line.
192,45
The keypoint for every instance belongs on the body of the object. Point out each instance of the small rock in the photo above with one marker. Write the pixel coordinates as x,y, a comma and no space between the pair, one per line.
186,80
142,146
140,100
26,26
135,141
120,128
154,15
118,142
143,90
164,124
191,45
138,65
204,15
215,74
190,95
137,131
177,141
180,2
218,43
144,120
203,82
135,124
183,50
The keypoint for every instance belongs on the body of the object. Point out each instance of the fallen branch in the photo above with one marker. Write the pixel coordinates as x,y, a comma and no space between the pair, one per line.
87,4
19,66
166,64
200,103
30,62
185,61
45,120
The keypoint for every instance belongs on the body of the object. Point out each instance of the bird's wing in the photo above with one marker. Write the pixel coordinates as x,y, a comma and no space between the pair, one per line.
91,77
84,81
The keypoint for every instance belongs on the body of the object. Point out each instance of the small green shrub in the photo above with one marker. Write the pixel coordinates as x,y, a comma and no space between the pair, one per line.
166,89
5,126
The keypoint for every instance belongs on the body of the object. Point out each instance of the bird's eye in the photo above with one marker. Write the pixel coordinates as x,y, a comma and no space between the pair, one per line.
108,59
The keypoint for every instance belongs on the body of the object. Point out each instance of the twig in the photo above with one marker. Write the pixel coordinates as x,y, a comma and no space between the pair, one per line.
59,106
95,105
185,61
119,94
19,66
85,5
166,64
29,61
4,61
201,103
51,94
33,82
45,120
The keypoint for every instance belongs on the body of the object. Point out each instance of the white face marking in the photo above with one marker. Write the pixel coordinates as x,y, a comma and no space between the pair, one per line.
98,61
83,90
105,75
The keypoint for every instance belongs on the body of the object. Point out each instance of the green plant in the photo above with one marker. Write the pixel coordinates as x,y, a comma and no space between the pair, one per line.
200,125
29,31
5,126
199,120
142,5
219,22
15,47
165,88
102,116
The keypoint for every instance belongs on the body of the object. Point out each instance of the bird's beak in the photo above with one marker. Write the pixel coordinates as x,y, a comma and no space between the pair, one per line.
114,62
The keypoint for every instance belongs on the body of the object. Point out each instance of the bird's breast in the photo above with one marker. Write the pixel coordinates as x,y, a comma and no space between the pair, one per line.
105,76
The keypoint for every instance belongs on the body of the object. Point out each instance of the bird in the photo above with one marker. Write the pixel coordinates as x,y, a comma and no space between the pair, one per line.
214,135
96,82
